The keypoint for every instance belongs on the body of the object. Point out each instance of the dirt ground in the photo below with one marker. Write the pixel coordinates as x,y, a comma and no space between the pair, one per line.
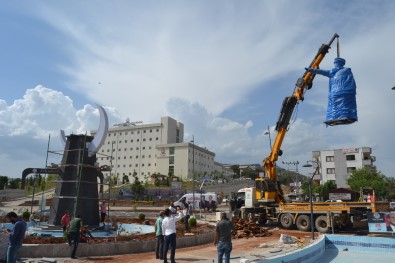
205,253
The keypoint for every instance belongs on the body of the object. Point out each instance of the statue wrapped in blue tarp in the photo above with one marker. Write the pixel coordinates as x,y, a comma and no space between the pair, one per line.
342,105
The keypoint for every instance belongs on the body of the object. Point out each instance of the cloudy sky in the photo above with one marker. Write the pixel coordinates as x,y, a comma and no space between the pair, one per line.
220,67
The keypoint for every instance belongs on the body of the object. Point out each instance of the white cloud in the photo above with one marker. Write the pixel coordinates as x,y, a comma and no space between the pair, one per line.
26,125
196,60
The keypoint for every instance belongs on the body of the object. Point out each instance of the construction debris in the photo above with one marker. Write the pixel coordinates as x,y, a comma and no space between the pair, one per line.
248,229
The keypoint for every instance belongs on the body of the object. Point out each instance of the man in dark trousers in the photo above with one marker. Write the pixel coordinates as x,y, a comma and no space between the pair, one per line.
73,234
169,231
159,236
16,236
223,238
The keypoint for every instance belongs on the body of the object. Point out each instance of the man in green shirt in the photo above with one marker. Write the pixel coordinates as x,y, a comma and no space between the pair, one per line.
159,236
73,234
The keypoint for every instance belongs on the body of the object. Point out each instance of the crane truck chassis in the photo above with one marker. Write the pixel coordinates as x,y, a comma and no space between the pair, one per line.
327,215
266,202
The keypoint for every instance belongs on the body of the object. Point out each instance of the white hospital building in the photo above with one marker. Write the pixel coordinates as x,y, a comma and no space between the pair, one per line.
158,148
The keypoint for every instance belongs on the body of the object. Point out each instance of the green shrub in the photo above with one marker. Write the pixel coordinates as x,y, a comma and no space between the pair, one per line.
26,215
142,216
192,222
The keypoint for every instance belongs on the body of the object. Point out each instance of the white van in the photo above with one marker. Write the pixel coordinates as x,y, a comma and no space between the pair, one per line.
206,201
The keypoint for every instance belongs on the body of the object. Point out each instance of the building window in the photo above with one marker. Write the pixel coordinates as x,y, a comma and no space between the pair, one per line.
171,150
138,140
150,139
171,169
142,164
149,147
171,159
350,157
144,131
150,131
131,148
157,138
131,157
126,141
330,158
149,164
125,149
120,141
138,132
330,170
137,148
144,148
124,157
144,140
351,169
143,156
137,165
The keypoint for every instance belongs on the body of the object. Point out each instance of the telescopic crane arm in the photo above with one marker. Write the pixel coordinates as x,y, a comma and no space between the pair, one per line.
302,85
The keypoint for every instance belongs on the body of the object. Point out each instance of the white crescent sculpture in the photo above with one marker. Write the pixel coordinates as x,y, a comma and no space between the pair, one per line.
100,136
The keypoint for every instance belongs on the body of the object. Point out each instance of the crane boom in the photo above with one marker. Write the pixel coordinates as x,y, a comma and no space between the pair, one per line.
266,188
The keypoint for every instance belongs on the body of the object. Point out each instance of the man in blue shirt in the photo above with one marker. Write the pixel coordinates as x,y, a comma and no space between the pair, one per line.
16,236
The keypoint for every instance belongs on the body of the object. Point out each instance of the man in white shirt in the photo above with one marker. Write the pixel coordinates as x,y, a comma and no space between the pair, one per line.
169,231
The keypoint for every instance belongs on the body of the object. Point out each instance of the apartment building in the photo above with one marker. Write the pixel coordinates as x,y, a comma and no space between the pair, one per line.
337,165
146,149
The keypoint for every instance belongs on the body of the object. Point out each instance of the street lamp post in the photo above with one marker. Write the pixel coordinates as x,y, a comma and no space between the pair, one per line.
193,174
270,138
317,169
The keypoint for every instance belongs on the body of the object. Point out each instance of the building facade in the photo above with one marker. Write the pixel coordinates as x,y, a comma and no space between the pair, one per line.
337,165
133,148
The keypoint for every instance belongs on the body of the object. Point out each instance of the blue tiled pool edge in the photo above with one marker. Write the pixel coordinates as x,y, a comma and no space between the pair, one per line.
361,243
315,251
308,254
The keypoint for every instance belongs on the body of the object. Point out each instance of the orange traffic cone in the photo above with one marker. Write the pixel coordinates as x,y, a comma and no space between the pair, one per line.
373,197
369,199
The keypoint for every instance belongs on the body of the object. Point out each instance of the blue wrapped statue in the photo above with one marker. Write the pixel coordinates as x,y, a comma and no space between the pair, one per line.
342,105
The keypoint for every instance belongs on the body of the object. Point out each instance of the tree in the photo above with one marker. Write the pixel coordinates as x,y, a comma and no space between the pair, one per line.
3,182
137,188
390,188
367,177
324,189
15,183
125,179
250,173
236,170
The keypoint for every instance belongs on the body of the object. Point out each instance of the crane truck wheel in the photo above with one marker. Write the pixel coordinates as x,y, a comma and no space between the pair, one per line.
303,223
286,220
321,224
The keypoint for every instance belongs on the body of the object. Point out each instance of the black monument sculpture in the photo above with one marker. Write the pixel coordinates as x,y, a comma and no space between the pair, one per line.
77,187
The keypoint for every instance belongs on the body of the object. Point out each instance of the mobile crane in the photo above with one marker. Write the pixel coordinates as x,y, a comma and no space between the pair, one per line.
266,200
